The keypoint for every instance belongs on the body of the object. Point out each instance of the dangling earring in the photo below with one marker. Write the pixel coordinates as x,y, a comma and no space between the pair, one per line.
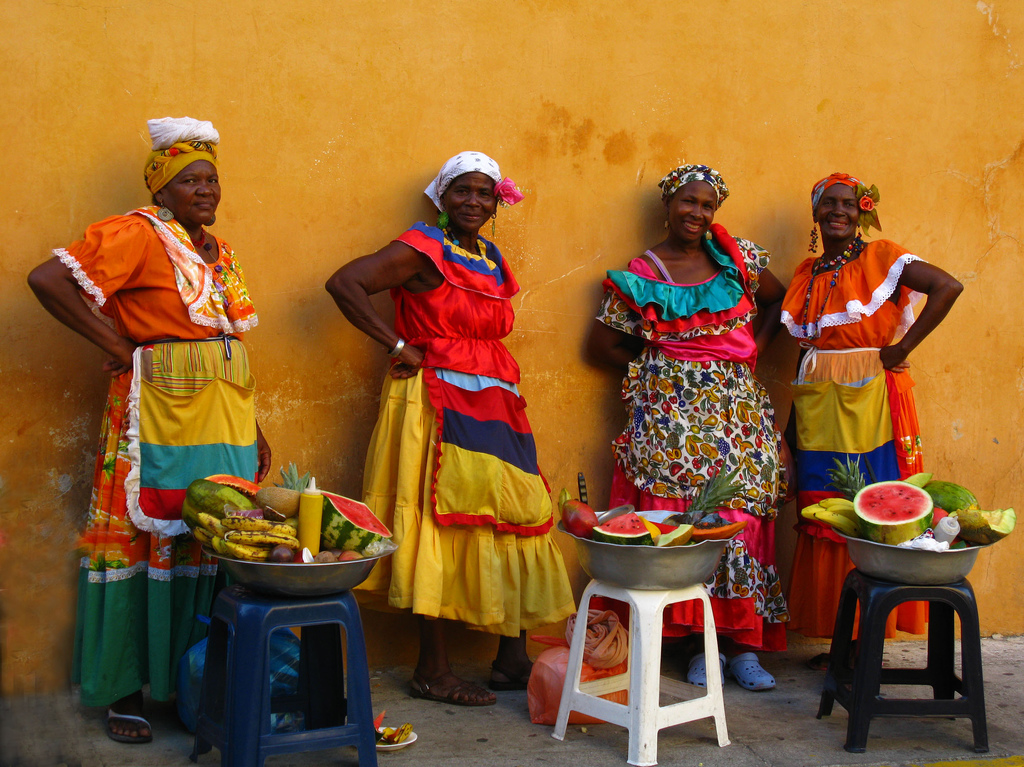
164,214
442,219
213,220
665,224
494,220
813,248
707,236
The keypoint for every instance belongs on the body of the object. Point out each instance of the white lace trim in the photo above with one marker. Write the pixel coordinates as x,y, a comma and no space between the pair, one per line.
221,323
124,573
133,480
856,311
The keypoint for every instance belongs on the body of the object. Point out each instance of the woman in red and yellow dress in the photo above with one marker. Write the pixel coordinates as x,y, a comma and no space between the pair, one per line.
852,309
167,302
452,465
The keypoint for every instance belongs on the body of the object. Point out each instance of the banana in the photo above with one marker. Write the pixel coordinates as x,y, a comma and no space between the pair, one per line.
254,538
240,550
202,535
809,512
255,525
836,504
210,524
843,509
843,524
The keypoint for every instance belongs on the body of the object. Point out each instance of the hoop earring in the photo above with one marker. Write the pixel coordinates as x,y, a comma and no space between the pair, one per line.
164,214
813,248
442,219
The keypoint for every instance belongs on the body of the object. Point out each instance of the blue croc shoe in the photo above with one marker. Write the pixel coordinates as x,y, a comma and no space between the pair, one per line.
748,673
697,673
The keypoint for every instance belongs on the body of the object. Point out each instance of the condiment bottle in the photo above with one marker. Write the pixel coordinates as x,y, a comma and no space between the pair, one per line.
946,530
311,514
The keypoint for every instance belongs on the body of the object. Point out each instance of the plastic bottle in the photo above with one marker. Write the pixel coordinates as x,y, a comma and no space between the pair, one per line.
946,530
311,513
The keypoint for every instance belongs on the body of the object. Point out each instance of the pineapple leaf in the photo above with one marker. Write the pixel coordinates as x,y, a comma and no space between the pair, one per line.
291,478
847,477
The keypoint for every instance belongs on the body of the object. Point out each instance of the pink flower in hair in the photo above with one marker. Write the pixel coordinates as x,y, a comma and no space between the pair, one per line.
506,192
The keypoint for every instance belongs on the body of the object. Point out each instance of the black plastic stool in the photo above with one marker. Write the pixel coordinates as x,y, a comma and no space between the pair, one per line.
858,690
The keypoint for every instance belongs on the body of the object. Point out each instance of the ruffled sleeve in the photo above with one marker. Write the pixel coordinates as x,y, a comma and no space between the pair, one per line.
110,256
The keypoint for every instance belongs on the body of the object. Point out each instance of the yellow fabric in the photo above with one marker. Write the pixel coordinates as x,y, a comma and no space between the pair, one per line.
469,573
170,419
523,498
165,164
849,419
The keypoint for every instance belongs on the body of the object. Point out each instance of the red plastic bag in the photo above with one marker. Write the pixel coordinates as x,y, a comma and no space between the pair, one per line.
544,692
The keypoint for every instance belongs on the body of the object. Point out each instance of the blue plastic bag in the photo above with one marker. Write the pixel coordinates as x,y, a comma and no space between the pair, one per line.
284,680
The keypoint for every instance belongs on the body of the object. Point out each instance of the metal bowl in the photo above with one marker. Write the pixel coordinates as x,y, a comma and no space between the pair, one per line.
913,566
297,579
648,567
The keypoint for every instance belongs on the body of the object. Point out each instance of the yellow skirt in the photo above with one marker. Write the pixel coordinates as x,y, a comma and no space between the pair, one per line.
498,582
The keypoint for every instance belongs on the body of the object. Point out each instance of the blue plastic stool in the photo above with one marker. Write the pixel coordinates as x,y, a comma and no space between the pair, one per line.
858,690
235,705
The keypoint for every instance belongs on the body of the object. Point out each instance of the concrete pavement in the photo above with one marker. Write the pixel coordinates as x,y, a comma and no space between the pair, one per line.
770,728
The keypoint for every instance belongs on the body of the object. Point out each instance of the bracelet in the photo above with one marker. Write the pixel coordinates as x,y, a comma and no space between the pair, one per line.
398,348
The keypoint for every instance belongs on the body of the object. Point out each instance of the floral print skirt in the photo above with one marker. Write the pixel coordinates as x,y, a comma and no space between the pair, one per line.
688,421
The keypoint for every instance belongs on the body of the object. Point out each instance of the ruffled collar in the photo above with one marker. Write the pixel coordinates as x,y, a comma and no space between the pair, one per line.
671,300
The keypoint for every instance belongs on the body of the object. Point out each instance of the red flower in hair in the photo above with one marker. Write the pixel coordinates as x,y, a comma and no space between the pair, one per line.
866,203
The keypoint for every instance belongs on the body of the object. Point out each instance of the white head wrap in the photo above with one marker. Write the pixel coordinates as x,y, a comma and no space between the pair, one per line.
167,131
463,162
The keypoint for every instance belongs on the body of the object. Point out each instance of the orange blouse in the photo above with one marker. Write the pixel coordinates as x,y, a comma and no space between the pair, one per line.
859,311
121,265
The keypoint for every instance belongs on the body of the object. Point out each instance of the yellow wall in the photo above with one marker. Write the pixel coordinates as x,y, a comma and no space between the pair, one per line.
335,115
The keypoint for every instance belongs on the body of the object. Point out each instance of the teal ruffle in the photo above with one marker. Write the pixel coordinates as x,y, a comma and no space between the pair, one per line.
671,302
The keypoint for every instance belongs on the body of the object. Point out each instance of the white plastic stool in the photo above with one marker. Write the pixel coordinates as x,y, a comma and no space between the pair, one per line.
643,716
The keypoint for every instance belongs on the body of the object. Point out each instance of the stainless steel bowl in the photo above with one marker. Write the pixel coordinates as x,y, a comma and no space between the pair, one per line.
297,579
913,566
648,567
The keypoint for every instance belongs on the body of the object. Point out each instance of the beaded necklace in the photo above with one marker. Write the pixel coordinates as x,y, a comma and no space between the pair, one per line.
821,266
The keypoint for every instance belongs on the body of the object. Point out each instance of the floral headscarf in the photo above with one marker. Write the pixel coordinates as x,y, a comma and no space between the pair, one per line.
684,174
177,143
867,197
470,162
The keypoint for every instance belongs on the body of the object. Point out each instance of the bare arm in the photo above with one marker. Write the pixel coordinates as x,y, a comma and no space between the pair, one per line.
942,291
56,288
770,293
612,348
394,265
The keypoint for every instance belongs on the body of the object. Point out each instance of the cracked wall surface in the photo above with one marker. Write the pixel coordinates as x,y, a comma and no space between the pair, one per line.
335,116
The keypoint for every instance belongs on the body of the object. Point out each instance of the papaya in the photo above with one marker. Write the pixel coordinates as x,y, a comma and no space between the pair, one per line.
717,533
244,486
983,527
203,495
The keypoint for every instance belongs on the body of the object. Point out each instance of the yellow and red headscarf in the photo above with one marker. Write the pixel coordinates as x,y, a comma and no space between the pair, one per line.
177,143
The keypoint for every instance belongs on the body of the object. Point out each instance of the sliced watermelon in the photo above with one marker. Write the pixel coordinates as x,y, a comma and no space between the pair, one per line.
892,512
349,525
627,529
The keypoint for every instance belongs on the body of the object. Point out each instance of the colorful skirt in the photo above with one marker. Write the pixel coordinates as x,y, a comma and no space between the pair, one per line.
497,581
847,406
139,592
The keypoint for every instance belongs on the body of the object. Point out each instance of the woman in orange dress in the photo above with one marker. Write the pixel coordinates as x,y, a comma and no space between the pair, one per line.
167,302
852,309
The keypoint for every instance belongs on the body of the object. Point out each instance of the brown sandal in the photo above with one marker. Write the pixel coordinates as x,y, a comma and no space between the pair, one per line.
504,681
421,688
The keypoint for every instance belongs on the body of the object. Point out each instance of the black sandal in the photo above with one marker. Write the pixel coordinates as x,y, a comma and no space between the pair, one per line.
510,681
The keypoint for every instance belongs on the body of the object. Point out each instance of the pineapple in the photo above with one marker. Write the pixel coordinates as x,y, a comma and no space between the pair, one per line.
291,478
847,477
713,495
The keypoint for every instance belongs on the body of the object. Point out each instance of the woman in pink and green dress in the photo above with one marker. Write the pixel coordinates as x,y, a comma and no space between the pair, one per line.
680,322
167,302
